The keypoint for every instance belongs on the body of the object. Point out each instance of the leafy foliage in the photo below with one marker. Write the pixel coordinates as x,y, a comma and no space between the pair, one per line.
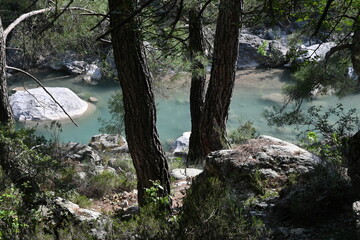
316,198
116,123
210,212
243,133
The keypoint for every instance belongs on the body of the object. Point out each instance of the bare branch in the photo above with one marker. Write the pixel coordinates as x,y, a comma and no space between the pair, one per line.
43,87
36,12
22,18
127,19
57,16
336,49
322,18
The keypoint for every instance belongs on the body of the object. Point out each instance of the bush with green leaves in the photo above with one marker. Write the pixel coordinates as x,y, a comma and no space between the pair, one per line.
316,197
211,212
102,184
10,222
243,133
154,220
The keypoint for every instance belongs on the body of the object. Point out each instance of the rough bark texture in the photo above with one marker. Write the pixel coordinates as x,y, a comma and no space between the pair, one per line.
354,143
197,90
354,163
140,114
5,109
218,96
355,49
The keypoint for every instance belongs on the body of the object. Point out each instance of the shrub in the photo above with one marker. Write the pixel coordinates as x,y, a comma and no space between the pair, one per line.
243,133
102,184
210,212
315,197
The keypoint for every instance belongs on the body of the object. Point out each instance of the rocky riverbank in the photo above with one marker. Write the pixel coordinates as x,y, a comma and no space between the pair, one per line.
294,193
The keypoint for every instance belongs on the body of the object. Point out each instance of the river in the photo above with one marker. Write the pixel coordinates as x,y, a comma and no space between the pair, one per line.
255,90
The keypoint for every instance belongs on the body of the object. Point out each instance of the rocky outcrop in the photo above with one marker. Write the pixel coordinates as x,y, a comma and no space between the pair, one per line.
287,187
255,51
315,52
266,158
81,152
109,142
181,145
36,105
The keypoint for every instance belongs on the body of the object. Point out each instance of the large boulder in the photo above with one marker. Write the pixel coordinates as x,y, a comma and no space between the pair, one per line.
316,51
273,52
266,158
36,105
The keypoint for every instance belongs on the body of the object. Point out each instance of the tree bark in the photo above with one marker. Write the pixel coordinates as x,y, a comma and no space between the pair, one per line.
219,92
355,49
197,90
140,113
6,115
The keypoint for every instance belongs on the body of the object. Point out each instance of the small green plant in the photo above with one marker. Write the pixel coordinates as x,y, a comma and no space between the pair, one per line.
329,149
102,184
10,223
243,133
262,48
153,221
257,183
211,212
81,200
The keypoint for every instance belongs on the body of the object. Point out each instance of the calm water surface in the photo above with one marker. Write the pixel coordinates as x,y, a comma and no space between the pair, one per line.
255,91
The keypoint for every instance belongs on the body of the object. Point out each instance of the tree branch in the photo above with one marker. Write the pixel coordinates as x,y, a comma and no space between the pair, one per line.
43,87
336,49
322,18
36,12
127,19
22,18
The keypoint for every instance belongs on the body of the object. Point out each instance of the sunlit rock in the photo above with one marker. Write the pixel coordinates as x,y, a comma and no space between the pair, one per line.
181,145
36,105
109,143
268,158
184,173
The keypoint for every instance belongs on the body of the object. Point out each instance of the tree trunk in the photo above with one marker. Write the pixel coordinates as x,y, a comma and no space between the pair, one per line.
5,109
197,90
355,49
140,114
219,92
14,169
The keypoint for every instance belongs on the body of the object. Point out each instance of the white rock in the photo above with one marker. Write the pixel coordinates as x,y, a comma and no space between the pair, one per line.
181,145
183,173
81,214
36,104
317,51
94,72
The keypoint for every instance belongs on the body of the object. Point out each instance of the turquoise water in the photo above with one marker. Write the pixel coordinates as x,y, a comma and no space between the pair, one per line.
250,99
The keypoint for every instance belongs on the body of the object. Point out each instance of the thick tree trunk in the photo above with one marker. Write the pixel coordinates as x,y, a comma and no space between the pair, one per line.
5,109
140,114
197,90
355,48
354,163
219,92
